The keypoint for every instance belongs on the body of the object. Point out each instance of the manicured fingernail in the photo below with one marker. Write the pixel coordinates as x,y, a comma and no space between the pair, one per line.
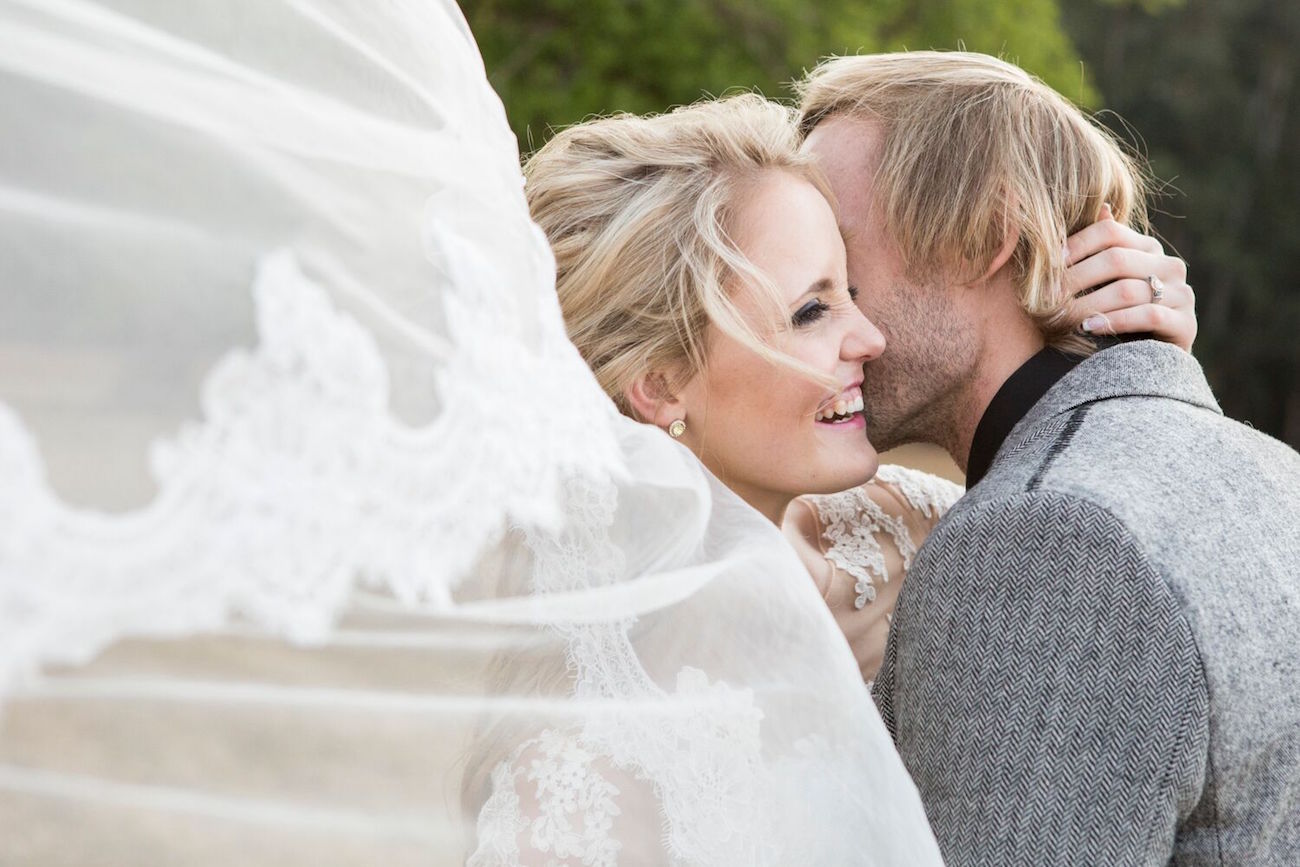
1093,323
1108,212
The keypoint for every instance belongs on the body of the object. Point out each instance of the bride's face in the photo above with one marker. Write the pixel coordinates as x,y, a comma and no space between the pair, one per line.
767,431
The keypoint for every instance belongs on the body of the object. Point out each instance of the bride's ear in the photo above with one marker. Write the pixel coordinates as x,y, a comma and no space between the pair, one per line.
653,400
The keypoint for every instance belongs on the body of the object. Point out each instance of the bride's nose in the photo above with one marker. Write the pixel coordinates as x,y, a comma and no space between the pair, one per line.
863,342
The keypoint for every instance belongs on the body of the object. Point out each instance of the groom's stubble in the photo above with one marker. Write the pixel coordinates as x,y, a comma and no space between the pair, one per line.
917,390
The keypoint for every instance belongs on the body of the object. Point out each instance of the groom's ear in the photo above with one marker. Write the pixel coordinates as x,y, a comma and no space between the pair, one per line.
652,399
1010,239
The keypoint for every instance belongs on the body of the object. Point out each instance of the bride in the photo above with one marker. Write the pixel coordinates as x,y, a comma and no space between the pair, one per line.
305,486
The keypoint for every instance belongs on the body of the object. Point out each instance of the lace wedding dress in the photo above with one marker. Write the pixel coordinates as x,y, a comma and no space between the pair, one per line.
318,542
859,545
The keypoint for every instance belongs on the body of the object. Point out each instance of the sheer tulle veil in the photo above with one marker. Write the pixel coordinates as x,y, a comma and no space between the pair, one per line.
310,515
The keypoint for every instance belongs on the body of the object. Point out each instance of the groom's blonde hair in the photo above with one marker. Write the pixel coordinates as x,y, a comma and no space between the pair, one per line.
640,212
973,149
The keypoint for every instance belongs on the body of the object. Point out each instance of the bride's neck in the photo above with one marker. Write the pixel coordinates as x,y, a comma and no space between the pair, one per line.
770,504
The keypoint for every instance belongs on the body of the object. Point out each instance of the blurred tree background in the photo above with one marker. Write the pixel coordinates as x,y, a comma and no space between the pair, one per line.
1206,89
1209,90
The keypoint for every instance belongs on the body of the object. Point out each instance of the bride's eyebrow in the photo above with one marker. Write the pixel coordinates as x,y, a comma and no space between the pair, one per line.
822,285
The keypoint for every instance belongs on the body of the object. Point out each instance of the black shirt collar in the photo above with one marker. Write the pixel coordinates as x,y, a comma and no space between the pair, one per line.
1014,399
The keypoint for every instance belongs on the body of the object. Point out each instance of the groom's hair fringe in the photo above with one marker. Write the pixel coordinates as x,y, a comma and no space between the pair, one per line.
973,150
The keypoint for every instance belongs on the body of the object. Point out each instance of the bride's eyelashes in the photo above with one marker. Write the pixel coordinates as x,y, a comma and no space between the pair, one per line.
809,313
815,309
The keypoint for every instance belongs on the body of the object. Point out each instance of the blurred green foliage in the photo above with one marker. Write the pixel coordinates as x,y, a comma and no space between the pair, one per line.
1206,88
555,62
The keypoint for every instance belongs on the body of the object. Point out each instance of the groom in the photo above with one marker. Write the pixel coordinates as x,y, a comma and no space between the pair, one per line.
1095,658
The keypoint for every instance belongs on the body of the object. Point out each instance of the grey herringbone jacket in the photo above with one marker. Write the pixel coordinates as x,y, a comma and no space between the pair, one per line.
1095,658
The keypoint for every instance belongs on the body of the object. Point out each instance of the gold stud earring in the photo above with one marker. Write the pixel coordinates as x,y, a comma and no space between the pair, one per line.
677,428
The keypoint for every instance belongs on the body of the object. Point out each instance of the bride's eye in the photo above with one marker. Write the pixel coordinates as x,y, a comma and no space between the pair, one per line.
809,313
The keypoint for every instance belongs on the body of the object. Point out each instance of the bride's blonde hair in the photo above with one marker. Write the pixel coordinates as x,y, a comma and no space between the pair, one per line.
639,212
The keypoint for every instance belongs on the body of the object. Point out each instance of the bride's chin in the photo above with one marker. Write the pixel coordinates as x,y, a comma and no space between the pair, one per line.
849,474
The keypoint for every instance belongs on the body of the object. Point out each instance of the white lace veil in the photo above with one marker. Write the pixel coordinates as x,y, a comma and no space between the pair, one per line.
316,535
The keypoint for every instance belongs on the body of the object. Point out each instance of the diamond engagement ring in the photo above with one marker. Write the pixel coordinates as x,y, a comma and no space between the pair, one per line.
1157,288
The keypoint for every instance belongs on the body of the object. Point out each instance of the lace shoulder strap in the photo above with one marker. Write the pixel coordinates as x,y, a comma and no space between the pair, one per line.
927,493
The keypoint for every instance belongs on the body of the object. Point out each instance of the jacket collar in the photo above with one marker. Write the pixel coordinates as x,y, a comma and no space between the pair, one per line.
1017,396
1142,368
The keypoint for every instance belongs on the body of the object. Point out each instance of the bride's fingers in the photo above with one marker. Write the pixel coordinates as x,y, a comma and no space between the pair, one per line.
1153,318
1118,263
1105,234
1132,293
1108,311
1122,262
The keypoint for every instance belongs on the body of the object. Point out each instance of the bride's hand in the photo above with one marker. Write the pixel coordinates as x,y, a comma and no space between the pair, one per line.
1119,261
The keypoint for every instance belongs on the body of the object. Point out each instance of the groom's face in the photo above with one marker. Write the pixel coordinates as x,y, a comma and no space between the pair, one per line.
911,390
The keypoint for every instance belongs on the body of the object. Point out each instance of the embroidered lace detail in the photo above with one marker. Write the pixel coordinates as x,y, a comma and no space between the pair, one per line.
297,471
571,811
500,821
852,523
569,788
703,769
708,768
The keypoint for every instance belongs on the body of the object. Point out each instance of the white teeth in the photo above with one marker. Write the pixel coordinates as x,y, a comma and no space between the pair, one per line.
840,408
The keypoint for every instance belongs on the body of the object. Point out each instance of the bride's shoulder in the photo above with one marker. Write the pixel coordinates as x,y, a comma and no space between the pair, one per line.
895,493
